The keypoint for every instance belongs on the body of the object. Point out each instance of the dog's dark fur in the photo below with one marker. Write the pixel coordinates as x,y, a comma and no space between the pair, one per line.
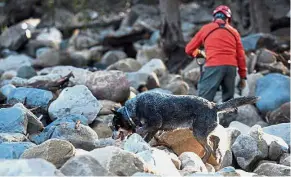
152,111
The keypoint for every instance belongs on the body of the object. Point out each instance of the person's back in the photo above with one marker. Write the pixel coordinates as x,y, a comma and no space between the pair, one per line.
224,52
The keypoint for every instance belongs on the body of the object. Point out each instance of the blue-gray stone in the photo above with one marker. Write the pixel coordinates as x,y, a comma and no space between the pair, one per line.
13,120
13,150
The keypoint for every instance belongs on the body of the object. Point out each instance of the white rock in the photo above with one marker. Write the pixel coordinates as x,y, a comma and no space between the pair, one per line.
51,34
14,62
154,65
75,100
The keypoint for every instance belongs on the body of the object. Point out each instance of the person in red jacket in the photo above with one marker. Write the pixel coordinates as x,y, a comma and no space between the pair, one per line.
224,54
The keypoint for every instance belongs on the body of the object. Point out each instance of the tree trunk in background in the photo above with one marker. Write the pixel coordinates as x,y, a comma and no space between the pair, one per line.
259,16
172,41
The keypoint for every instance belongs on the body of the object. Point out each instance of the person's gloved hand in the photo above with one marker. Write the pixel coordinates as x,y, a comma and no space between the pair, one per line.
242,84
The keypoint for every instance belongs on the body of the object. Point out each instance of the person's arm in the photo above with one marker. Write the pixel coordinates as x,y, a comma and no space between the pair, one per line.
241,60
192,47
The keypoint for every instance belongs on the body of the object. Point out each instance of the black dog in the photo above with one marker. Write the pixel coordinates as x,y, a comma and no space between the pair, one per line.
150,112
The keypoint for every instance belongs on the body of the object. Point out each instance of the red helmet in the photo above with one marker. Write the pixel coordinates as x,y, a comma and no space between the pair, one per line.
224,9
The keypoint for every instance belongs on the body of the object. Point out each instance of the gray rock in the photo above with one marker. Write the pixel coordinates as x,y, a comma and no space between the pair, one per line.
271,169
137,79
135,144
102,126
280,130
248,115
31,97
13,150
15,36
159,161
47,58
118,161
80,152
285,159
126,65
75,100
52,35
14,62
8,75
107,105
55,151
108,85
154,65
266,56
28,167
247,151
147,53
13,120
228,171
112,57
193,75
34,125
84,165
12,137
265,161
33,45
191,163
144,174
104,142
178,87
232,134
193,13
175,159
26,72
243,128
80,136
280,115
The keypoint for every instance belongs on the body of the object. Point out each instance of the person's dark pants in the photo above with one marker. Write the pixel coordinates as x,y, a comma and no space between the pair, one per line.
215,76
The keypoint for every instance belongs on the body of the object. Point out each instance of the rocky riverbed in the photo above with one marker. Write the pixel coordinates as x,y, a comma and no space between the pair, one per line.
57,92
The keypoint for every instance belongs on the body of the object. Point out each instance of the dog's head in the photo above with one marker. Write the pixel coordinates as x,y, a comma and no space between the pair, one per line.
123,125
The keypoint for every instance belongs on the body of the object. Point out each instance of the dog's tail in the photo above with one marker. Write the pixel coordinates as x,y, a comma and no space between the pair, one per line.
232,104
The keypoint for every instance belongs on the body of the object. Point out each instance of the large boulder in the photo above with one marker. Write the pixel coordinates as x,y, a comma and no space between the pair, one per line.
191,163
118,161
126,65
55,151
13,120
108,85
15,36
28,167
75,100
112,57
84,165
250,148
280,130
14,62
31,97
279,115
267,86
271,169
13,150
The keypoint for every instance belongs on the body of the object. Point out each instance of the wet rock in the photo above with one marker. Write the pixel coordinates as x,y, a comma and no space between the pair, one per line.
108,85
28,167
118,161
191,163
55,151
75,100
126,65
279,115
13,150
12,137
269,84
15,36
107,105
112,57
154,65
84,165
271,169
280,130
30,97
14,62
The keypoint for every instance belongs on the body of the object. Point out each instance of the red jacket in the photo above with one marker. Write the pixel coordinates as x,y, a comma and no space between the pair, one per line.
221,46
